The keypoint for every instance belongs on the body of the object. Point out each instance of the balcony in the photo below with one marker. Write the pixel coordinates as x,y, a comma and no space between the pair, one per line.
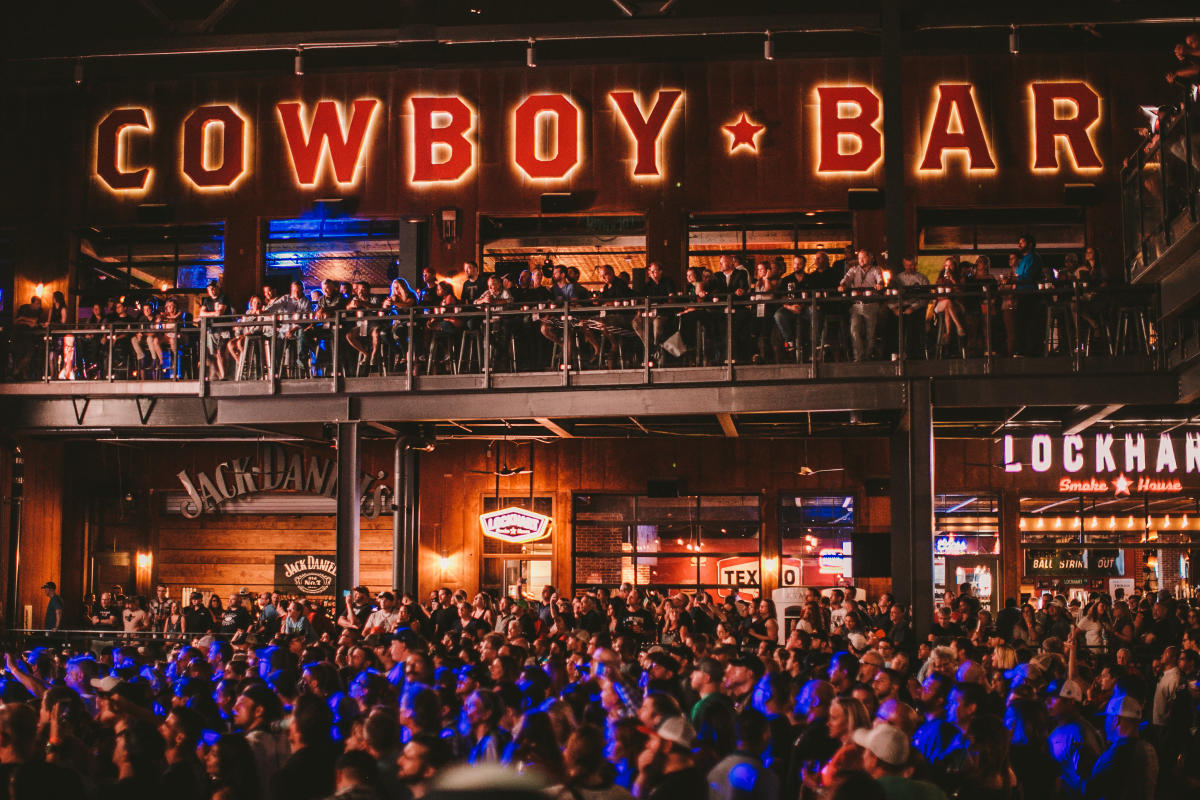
1160,189
1089,341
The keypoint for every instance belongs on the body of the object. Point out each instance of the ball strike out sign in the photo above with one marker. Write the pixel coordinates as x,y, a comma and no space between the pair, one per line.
330,140
1123,464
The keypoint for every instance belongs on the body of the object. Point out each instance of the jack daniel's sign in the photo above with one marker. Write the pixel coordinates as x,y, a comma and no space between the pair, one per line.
275,470
306,574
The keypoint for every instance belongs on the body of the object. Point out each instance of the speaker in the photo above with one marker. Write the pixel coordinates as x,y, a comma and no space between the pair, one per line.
864,199
872,556
154,213
1081,194
561,202
663,488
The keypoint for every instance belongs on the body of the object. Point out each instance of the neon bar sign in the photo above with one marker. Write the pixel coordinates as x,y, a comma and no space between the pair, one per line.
515,525
330,141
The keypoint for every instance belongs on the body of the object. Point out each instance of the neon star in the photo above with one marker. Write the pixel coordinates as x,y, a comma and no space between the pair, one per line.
743,133
1121,485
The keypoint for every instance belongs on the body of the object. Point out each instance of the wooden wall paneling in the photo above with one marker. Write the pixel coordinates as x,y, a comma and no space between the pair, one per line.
41,526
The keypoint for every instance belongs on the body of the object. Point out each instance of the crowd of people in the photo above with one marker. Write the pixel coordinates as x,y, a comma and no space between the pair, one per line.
829,308
605,695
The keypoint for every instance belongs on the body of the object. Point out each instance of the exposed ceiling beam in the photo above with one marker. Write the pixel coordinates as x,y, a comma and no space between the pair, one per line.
379,426
218,14
727,425
554,427
1007,420
1085,417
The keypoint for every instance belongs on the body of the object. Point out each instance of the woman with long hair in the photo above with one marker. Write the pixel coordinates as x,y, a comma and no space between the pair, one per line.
167,327
846,715
174,623
534,747
588,775
216,609
60,317
231,769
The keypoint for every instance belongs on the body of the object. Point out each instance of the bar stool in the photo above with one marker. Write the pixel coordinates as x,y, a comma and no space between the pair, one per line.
834,327
1059,334
1133,335
576,346
253,361
942,332
440,342
470,347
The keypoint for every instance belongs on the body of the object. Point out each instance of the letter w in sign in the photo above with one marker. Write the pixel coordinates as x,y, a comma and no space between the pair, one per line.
327,139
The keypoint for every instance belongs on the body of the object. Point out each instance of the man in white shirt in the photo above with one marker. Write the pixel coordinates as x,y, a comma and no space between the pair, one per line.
384,618
1168,686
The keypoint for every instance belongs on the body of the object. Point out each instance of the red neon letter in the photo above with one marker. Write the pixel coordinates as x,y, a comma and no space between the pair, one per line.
326,133
452,137
960,98
1047,127
860,127
525,136
646,131
109,156
233,149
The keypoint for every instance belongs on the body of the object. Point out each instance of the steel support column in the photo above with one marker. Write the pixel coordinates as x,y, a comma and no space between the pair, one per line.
912,454
893,135
412,519
348,508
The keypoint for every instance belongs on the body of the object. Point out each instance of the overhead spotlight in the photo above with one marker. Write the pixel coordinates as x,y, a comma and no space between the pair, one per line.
1014,40
769,47
298,62
531,54
79,72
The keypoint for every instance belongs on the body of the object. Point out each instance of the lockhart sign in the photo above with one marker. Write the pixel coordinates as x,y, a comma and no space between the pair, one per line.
1120,464
275,470
515,525
306,574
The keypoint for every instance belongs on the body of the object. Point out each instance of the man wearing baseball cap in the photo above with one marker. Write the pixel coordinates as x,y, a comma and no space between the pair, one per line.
1074,742
885,758
1129,767
54,607
666,765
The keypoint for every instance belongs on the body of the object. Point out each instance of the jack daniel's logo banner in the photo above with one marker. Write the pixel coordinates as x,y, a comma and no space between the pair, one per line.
306,574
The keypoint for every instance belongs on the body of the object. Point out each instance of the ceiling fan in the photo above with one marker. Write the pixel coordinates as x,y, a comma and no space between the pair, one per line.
503,470
807,471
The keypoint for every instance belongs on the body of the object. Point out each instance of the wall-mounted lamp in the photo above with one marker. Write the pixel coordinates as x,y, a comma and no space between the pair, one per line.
448,221
444,562
298,62
769,47
1014,40
78,72
531,54
39,289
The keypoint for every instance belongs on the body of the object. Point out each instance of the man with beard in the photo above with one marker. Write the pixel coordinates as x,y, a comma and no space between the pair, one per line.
420,760
667,768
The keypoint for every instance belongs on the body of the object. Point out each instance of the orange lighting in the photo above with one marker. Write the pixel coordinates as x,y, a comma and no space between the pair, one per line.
1057,130
39,289
325,142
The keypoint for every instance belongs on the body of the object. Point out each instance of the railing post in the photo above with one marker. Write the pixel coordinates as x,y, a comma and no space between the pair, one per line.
566,343
335,349
112,337
647,340
901,338
409,364
988,320
201,357
1162,186
1076,339
46,355
729,336
813,342
1190,165
485,356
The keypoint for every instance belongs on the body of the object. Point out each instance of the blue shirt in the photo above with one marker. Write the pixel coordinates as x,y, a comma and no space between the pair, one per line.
52,611
1075,745
1029,268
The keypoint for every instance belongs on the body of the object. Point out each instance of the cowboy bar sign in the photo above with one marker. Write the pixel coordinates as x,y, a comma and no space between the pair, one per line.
1123,464
515,525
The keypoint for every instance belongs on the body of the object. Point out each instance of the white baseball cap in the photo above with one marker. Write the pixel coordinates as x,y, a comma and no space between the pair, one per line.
1071,690
677,730
887,742
1122,705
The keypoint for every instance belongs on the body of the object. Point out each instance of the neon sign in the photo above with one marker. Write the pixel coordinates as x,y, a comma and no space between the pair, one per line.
1136,456
331,139
831,561
515,525
949,546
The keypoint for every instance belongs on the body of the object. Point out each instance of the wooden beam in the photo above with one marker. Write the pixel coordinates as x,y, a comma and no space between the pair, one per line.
1085,417
727,425
554,427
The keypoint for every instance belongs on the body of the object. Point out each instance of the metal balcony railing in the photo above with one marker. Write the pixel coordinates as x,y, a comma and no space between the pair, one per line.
808,335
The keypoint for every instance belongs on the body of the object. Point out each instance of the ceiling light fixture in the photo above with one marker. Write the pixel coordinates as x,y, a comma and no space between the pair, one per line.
1014,40
298,62
769,47
531,55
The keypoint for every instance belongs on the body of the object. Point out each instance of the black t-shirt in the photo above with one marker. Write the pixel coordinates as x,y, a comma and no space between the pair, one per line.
210,304
107,618
196,620
471,289
638,623
685,783
793,284
234,620
663,287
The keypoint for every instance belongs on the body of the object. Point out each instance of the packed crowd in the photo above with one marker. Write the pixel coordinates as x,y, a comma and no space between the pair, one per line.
608,694
847,306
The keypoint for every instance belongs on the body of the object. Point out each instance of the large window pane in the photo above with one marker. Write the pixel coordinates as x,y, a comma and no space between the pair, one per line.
814,533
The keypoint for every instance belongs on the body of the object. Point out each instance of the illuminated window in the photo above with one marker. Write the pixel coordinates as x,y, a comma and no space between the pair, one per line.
766,236
319,247
529,563
668,543
973,232
963,525
814,532
145,260
513,244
